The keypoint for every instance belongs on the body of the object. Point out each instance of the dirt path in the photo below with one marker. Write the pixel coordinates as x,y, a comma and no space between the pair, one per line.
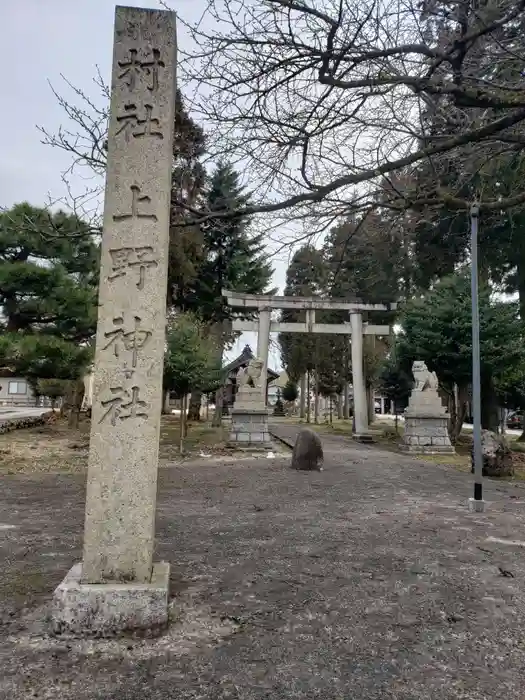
368,580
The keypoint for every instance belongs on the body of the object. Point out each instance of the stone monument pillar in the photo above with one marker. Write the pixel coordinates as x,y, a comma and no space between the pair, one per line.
117,586
249,428
426,420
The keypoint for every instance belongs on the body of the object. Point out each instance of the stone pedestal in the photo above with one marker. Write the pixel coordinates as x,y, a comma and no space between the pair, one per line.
249,414
426,422
476,506
110,609
249,429
427,434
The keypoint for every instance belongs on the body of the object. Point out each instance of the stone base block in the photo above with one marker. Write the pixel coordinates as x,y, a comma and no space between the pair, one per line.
426,434
427,449
363,437
476,506
109,609
249,430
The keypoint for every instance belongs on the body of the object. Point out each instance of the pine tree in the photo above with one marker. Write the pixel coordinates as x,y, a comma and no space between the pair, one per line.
48,293
232,258
188,182
305,277
364,260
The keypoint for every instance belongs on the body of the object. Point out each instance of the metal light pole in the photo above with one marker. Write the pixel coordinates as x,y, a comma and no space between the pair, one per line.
477,503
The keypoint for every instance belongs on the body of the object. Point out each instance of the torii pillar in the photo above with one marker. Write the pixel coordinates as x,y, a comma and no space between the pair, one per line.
263,345
358,378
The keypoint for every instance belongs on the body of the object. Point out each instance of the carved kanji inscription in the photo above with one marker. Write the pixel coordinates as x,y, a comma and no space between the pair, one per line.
139,259
123,404
134,68
131,339
138,201
138,123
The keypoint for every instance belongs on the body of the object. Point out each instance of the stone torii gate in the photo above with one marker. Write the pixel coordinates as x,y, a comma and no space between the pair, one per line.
355,328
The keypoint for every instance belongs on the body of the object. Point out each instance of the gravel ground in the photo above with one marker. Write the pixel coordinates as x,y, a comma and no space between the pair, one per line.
369,580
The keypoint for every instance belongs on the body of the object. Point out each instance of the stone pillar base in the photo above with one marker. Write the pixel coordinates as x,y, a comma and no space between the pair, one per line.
427,434
363,437
109,609
249,429
476,506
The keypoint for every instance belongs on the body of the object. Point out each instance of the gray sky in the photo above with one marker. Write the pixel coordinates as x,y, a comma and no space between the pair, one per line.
39,41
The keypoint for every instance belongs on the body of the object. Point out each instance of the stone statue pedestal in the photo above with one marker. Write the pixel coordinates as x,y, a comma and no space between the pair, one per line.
426,422
426,434
249,428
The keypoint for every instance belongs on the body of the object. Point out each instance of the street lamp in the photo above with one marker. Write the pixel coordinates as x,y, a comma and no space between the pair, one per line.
477,503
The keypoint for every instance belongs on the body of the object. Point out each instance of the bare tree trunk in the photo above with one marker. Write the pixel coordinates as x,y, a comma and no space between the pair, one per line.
316,399
457,408
302,397
217,414
452,415
194,412
182,421
489,407
370,404
346,405
503,421
166,403
186,416
77,396
218,332
308,397
339,404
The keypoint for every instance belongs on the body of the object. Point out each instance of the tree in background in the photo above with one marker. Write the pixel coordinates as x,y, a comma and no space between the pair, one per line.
329,381
395,383
305,277
300,352
290,391
232,258
190,360
48,293
365,262
187,193
437,328
363,258
442,187
53,388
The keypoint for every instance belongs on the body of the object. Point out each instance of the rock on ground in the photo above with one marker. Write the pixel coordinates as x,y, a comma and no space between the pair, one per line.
497,455
307,453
